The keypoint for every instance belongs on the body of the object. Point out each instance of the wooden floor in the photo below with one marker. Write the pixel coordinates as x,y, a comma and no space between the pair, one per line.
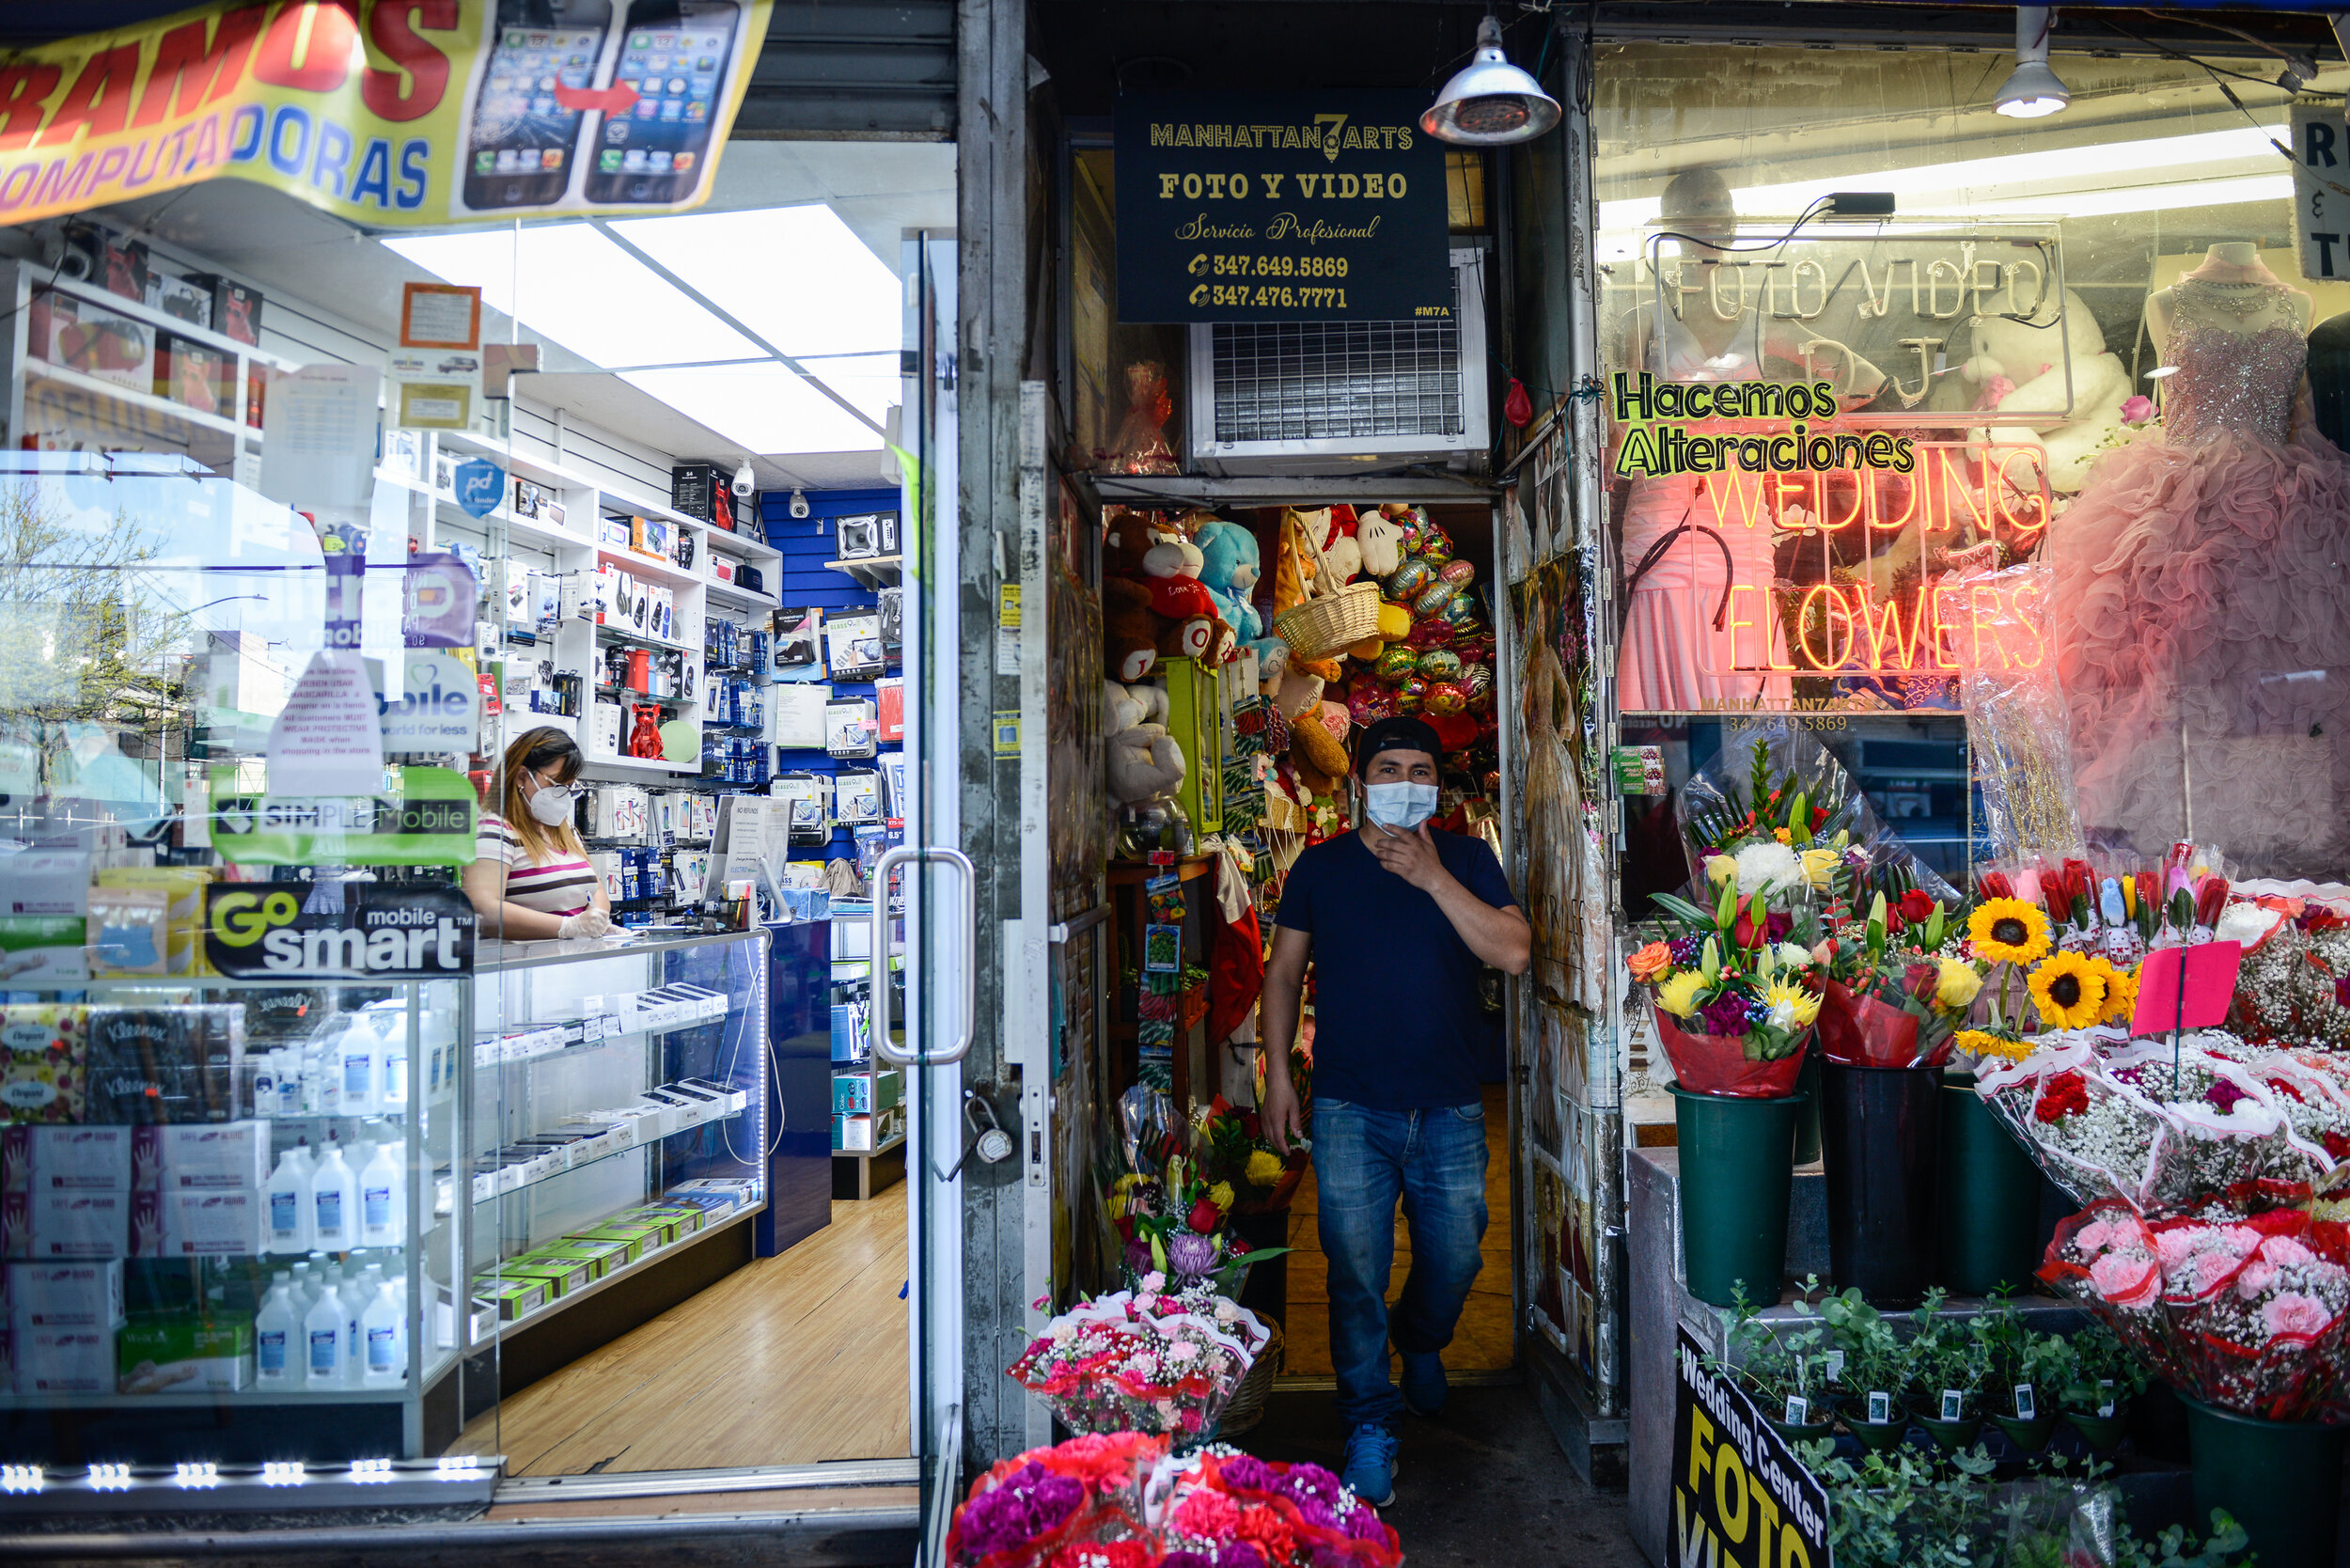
1482,1343
789,1360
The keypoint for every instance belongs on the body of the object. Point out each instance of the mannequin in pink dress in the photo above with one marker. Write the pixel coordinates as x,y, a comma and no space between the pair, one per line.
1683,537
2200,605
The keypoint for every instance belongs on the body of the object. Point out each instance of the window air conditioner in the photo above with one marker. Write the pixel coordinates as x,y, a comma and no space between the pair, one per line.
1301,398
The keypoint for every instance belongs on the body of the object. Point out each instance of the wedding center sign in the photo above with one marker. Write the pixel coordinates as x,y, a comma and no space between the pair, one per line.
1739,1494
1254,207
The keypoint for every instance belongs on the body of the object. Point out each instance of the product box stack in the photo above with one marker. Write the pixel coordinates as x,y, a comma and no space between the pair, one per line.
60,1321
88,1194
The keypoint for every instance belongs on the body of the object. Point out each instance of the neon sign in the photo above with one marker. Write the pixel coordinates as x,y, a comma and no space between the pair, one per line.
1656,443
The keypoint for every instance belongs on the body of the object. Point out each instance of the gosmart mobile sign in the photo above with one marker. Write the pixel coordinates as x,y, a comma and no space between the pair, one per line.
273,930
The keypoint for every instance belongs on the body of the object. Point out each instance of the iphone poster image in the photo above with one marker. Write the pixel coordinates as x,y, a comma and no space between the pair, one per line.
580,104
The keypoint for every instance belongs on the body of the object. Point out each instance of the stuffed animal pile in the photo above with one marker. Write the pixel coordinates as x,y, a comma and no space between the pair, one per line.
1186,587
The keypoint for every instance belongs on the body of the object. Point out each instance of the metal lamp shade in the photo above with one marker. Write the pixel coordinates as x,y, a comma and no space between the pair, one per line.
2033,92
1490,102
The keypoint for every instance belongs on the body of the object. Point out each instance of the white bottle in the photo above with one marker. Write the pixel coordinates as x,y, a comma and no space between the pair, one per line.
326,1342
265,1086
286,1202
355,1303
395,1068
383,1335
277,1348
354,1067
286,1065
334,1203
384,1198
306,1295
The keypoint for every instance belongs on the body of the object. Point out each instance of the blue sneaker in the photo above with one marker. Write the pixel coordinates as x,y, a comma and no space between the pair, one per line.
1371,1464
1423,1383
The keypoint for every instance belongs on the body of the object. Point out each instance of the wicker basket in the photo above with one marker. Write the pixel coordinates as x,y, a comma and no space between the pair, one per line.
1342,616
1256,1385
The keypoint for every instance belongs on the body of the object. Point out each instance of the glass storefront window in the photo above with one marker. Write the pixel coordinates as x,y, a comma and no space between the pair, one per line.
2030,447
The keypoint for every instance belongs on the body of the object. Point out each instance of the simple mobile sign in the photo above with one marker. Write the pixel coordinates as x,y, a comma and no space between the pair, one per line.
1307,207
1740,1495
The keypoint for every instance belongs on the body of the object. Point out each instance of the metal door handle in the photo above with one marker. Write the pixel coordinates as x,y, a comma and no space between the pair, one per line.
891,859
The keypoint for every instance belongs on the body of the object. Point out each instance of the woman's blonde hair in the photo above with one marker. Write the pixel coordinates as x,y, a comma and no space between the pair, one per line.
535,751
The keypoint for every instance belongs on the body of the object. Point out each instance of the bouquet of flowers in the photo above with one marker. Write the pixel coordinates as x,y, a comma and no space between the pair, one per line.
1174,1224
2295,985
2245,1311
1893,997
1037,1508
2166,1131
1147,1361
1225,1509
1119,1500
1795,820
1735,993
1234,1152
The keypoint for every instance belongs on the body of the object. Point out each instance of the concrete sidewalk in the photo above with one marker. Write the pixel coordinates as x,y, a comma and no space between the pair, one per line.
1484,1484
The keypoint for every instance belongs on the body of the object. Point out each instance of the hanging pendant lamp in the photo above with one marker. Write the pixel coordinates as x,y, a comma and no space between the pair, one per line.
1490,102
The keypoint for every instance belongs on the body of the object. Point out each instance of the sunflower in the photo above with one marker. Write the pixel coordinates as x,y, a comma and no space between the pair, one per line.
1983,1042
2008,929
2070,990
2121,998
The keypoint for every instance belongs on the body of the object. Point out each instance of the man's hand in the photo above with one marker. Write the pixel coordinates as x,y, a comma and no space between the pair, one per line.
1410,855
1279,1115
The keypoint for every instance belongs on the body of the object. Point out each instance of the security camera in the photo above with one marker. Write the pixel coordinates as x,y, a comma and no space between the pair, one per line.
799,504
745,480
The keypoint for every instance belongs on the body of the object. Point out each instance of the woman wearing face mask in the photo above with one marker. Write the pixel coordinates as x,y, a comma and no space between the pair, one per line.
1397,918
530,879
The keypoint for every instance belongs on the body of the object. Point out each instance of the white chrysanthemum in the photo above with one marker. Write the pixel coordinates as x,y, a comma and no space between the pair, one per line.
1764,867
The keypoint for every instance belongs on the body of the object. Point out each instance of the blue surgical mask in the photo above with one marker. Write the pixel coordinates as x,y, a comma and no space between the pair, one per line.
1401,807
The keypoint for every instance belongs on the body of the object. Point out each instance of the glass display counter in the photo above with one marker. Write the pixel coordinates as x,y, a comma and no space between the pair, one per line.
249,1221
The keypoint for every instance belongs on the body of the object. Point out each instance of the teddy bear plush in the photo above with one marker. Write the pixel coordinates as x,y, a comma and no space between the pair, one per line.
2021,369
1230,566
1142,761
1130,633
1164,566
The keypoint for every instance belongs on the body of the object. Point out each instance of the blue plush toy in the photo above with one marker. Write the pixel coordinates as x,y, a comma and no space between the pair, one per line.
1230,565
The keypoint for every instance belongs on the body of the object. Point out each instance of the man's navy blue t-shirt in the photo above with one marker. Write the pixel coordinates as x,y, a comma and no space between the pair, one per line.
1395,1019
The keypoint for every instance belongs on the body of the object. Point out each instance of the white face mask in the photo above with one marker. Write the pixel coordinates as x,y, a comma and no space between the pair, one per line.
1401,807
552,805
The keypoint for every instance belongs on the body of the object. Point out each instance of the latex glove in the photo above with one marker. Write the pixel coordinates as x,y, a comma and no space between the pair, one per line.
587,922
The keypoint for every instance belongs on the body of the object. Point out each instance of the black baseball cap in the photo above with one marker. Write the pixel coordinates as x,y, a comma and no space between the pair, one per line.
1402,733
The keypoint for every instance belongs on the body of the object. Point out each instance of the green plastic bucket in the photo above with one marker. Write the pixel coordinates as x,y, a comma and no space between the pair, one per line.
1735,1174
1986,1200
2281,1480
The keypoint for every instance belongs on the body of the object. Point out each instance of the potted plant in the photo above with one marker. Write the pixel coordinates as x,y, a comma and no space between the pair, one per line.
2030,1371
1869,1367
1785,1375
2106,1379
1735,993
1949,1367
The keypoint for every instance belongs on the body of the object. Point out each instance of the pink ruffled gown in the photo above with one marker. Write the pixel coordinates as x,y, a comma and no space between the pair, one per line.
2202,617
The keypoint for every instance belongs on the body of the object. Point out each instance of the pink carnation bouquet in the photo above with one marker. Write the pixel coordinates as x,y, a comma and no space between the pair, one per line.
2245,1311
1146,1361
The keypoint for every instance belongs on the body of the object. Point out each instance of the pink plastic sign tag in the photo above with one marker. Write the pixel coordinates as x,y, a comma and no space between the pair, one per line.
2209,983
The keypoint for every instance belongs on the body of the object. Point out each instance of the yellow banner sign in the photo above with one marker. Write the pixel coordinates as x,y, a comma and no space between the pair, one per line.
386,113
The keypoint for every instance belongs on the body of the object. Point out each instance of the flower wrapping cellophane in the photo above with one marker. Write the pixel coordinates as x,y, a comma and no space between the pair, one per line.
2103,1116
2245,1311
1717,1064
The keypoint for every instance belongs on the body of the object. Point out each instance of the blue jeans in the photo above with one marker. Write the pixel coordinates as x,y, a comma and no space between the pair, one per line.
1364,1160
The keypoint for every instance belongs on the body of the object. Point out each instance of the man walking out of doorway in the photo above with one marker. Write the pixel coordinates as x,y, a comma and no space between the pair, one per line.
1397,918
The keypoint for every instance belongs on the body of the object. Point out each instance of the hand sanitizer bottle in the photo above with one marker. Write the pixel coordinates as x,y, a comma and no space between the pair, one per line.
384,1198
356,1065
326,1332
383,1330
334,1203
277,1336
286,1201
